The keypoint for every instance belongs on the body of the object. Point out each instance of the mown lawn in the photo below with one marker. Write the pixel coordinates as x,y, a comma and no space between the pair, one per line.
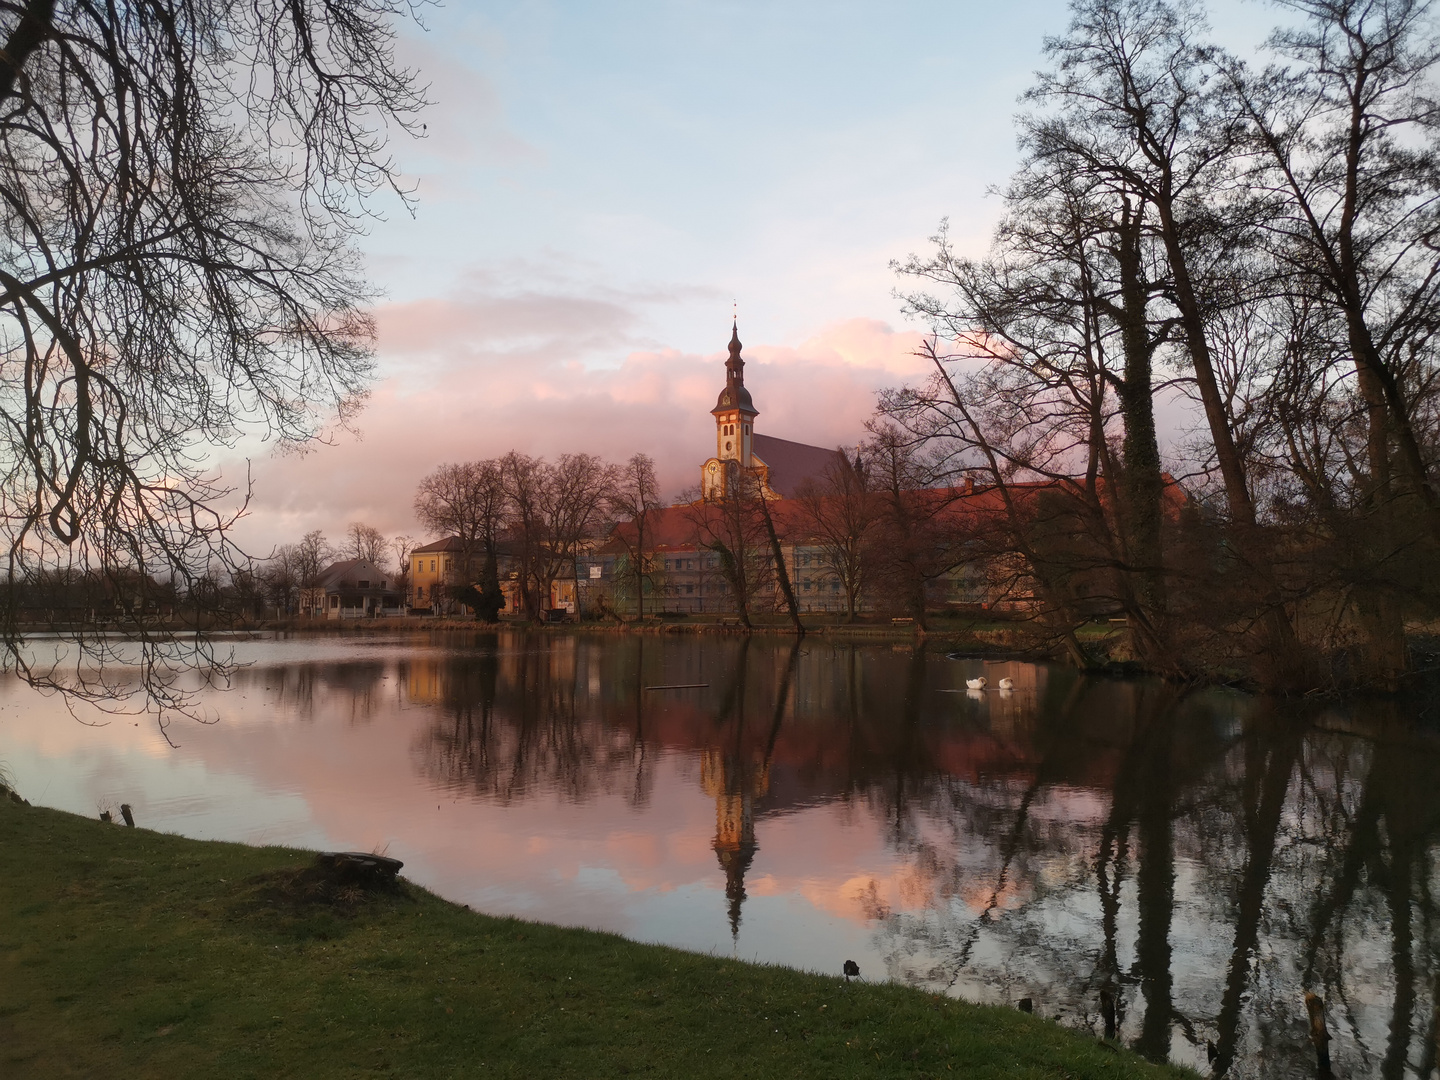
130,953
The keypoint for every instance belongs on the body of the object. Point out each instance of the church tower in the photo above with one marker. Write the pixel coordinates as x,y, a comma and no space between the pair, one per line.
734,785
734,414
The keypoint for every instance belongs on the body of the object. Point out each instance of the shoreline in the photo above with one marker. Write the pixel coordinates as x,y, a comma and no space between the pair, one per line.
963,637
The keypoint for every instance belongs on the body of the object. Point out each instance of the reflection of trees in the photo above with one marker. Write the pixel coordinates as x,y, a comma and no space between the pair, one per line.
511,725
350,688
1200,857
1308,855
1376,874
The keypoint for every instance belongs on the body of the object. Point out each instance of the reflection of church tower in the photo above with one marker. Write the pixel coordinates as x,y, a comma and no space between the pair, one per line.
735,787
734,414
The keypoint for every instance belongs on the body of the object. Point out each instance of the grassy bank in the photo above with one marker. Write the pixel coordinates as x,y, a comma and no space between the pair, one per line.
125,952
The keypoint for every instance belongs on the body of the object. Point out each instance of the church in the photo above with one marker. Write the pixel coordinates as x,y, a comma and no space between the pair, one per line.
780,467
684,574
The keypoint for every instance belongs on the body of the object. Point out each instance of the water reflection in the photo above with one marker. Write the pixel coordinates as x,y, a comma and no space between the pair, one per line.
1198,859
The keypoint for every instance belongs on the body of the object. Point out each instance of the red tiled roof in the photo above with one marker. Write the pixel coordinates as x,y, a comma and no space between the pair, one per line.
677,527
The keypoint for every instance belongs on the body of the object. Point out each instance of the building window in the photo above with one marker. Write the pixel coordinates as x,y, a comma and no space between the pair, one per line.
364,583
420,592
432,566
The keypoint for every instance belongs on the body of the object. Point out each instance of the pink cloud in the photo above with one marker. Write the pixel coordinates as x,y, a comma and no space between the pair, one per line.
488,370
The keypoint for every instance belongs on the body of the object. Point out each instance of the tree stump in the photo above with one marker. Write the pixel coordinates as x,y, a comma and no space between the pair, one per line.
360,866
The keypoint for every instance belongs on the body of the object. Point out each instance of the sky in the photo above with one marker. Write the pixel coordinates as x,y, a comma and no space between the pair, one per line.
600,186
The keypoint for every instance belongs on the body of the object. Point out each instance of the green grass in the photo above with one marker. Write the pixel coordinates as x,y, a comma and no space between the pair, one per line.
130,953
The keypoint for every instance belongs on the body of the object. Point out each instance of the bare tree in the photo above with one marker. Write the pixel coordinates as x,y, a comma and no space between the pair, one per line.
1134,104
1138,100
573,494
1344,130
467,501
1052,364
840,511
181,183
756,493
312,555
366,542
281,577
522,480
402,546
910,547
635,498
731,528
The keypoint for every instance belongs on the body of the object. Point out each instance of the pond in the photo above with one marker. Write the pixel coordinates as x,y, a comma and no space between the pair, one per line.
1203,856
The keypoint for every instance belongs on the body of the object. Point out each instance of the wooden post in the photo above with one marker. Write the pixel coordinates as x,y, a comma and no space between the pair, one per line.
1107,1012
125,813
1319,1034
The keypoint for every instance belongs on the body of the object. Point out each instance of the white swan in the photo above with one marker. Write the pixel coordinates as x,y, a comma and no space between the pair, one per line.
976,684
1007,683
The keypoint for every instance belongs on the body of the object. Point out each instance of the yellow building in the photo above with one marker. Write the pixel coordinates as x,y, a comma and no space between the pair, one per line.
434,565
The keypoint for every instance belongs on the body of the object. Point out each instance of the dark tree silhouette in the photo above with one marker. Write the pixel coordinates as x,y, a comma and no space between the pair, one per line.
180,184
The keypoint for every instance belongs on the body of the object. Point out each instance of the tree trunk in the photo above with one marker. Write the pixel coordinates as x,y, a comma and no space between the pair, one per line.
32,29
1279,662
781,572
1142,485
491,600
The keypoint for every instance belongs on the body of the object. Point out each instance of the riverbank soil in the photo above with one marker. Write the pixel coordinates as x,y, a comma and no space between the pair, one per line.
125,952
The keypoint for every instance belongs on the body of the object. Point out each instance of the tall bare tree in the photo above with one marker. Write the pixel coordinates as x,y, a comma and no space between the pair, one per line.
181,183
523,478
467,501
635,499
910,545
311,556
401,547
281,577
1139,100
840,510
1344,130
366,542
730,528
1051,366
573,495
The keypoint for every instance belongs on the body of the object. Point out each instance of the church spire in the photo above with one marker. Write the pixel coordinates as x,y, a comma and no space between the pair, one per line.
735,397
734,414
